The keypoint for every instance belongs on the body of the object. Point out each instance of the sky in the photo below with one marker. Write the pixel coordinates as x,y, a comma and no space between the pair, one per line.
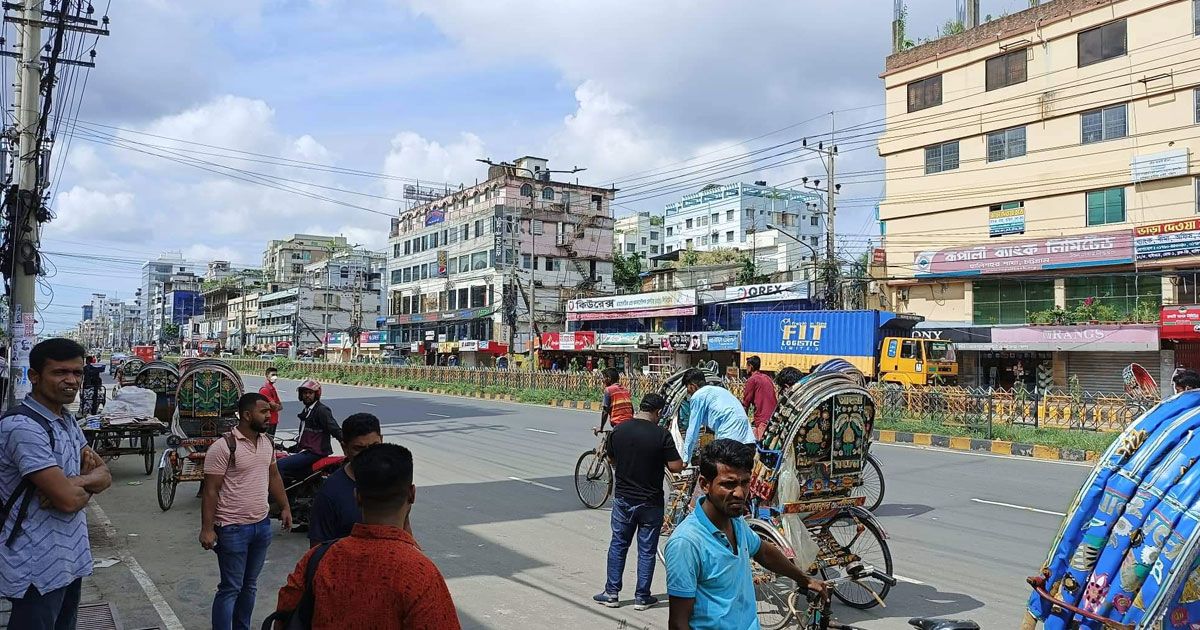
209,128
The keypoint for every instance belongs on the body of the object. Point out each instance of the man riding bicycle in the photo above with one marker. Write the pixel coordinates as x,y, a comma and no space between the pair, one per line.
617,405
714,408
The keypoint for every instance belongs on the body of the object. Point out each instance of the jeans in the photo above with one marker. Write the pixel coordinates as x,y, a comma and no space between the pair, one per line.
241,550
627,517
298,465
56,610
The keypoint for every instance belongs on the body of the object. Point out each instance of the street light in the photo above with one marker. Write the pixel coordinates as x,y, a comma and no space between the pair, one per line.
812,249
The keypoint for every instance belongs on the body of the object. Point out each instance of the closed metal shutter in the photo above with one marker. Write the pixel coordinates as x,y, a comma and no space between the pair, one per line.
1101,372
1187,354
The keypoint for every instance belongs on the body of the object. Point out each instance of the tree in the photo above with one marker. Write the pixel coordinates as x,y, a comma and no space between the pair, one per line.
170,331
749,274
627,272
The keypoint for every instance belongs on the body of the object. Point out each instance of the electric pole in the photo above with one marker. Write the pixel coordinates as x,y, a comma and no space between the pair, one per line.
831,189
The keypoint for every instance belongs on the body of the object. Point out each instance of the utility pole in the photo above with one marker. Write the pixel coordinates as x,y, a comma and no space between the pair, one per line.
295,349
831,190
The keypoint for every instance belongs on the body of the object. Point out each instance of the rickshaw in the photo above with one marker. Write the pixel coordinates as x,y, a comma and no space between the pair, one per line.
808,464
206,407
162,378
127,373
1127,553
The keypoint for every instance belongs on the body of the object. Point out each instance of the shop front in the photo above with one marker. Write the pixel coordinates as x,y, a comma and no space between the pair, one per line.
695,348
1180,332
973,370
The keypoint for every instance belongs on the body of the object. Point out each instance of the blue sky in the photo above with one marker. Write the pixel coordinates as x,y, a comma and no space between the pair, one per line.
420,89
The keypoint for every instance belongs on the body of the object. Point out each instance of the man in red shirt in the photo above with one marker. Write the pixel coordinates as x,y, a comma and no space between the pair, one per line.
377,578
272,396
760,394
617,404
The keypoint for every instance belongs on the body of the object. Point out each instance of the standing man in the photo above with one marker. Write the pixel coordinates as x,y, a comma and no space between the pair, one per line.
239,472
709,580
377,579
715,408
44,547
759,394
335,510
640,450
272,395
317,429
617,404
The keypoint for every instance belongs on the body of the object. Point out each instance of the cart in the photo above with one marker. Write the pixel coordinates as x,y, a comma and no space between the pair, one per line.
162,378
206,407
127,373
134,436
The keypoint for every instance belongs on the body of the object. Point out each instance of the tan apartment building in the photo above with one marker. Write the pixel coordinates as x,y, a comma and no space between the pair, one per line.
1041,203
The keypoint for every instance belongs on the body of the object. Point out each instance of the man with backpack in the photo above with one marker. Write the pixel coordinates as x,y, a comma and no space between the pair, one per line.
47,476
239,473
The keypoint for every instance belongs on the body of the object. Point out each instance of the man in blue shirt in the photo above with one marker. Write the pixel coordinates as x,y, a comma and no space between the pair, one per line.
709,579
716,408
335,510
45,555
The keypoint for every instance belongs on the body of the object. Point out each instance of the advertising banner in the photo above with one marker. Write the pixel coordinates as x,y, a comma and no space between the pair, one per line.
772,292
1167,240
1008,218
634,305
718,341
468,345
1067,252
569,341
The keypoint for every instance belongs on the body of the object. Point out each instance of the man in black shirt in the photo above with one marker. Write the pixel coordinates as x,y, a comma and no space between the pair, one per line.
335,511
640,451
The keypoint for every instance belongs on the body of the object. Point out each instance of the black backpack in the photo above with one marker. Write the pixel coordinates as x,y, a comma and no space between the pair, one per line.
25,490
301,617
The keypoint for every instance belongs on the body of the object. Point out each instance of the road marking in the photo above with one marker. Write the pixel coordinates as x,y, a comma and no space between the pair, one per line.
439,415
908,580
169,618
370,404
938,449
534,483
541,431
1018,507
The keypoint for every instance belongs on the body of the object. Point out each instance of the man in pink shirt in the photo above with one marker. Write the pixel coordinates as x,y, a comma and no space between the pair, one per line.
760,394
239,472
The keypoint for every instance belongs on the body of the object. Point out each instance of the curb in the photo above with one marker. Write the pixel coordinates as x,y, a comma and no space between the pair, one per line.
976,445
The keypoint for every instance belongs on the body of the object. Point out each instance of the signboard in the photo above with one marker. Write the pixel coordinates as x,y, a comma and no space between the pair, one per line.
442,258
430,335
1067,252
773,292
414,347
1008,218
658,304
879,256
423,193
434,216
468,345
569,341
618,341
1144,168
461,314
719,341
1100,338
1181,323
956,333
372,337
683,342
1167,240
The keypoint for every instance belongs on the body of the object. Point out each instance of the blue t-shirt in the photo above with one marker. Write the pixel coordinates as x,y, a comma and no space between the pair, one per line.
702,565
718,409
334,511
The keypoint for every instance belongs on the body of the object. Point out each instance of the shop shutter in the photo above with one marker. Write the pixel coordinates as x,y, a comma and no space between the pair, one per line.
1187,354
1101,372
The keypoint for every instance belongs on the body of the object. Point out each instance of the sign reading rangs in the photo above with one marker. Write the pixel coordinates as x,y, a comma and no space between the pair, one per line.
1089,250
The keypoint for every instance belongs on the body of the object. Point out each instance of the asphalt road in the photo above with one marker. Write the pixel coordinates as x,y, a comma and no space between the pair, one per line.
497,511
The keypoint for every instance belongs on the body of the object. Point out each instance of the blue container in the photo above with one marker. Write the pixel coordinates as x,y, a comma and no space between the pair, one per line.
803,339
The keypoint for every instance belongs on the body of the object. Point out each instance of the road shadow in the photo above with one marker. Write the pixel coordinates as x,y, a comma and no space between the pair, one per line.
912,600
902,510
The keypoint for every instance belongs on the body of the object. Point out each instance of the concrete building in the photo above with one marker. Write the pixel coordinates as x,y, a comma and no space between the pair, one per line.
178,299
242,322
346,270
639,234
458,260
731,215
154,274
284,260
1038,172
282,323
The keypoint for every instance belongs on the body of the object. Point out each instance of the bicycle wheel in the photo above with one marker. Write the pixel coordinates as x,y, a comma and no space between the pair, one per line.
862,538
593,480
872,484
166,484
772,592
677,508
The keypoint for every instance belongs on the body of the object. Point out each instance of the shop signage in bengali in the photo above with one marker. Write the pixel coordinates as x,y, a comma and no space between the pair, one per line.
1144,168
657,304
617,341
720,341
468,345
879,256
1167,240
772,292
569,341
414,347
683,342
430,335
1008,218
1181,323
1066,252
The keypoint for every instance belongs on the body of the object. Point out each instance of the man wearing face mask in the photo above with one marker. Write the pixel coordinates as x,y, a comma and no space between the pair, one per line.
272,396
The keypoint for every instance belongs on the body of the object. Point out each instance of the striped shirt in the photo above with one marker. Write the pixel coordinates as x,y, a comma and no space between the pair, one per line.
53,549
619,403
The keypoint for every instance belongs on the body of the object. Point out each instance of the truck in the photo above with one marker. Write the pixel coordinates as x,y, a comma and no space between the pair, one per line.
879,343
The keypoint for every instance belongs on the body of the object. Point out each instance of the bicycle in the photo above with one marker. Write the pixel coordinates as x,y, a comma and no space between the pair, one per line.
594,474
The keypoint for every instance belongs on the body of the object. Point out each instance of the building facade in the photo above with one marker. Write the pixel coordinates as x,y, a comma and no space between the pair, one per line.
639,235
284,259
177,301
278,321
154,274
1039,188
467,266
730,216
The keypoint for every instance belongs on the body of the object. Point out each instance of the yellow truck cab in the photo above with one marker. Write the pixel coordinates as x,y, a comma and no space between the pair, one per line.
912,362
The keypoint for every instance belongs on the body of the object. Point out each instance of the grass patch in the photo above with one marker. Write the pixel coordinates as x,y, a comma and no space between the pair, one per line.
1061,438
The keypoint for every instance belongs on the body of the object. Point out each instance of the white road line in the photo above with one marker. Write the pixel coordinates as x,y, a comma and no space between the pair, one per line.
901,578
534,483
1018,507
439,415
370,404
165,613
541,431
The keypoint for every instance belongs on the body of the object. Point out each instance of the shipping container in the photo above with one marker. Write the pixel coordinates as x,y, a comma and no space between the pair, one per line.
802,339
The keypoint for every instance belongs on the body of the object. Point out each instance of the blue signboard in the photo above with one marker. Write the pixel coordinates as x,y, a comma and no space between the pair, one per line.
434,215
721,340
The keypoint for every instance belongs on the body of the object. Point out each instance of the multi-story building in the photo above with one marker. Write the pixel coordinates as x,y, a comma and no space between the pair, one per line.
731,215
154,274
1038,172
220,286
640,235
320,311
242,322
517,239
346,270
177,300
284,260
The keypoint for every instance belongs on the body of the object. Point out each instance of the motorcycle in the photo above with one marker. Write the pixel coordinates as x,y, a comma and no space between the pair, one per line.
302,492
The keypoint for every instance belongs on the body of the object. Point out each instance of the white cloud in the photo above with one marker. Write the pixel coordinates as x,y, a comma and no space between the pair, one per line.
208,252
412,156
97,215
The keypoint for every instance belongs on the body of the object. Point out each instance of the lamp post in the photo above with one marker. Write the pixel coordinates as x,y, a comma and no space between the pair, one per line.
798,240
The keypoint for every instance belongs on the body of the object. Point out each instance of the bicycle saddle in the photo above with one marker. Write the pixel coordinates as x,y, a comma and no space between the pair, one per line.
943,624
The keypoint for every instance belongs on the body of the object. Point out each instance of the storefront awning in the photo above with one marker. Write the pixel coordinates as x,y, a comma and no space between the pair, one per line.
1086,338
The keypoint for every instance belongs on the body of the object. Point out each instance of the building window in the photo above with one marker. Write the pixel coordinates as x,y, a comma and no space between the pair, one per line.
478,228
941,157
1104,124
925,93
653,235
688,224
1196,102
630,247
688,243
537,227
548,193
670,248
1006,144
479,260
1102,42
1010,301
526,190
396,250
466,232
1120,292
814,220
704,240
1007,69
729,236
1106,206
1196,17
716,217
729,213
397,276
670,230
703,221
815,239
654,249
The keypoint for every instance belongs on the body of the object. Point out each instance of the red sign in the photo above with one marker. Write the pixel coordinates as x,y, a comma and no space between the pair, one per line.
569,341
1181,322
283,344
1064,252
879,256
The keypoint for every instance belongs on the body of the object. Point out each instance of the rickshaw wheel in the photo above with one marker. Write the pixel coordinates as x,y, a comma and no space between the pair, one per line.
862,538
166,482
